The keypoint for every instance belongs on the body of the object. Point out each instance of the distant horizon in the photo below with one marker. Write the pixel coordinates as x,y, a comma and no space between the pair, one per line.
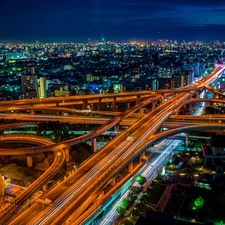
85,40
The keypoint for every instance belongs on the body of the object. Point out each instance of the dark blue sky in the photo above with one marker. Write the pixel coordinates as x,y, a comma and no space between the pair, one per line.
78,20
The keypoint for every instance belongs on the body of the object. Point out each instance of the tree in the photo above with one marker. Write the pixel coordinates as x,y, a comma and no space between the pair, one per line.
128,221
140,206
134,189
125,203
140,179
120,210
210,110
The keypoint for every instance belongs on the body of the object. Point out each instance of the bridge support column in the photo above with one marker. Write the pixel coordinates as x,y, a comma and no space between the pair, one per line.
116,128
93,142
190,107
99,105
113,181
128,105
29,161
130,167
67,151
153,105
197,94
92,107
142,110
162,98
138,100
32,112
186,138
45,187
84,106
142,156
114,105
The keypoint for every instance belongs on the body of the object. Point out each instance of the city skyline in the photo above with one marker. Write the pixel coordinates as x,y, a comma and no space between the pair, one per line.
132,20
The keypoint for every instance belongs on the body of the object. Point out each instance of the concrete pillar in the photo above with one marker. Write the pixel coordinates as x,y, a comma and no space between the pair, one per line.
142,156
57,113
190,107
67,152
57,104
153,105
162,98
116,128
186,138
32,112
45,187
84,106
113,181
142,110
29,161
93,142
99,105
138,100
114,105
197,94
128,105
130,167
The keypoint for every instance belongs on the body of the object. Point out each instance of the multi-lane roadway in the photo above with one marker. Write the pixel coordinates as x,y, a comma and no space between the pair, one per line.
119,155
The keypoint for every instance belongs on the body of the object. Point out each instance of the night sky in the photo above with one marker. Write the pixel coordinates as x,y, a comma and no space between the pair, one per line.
118,20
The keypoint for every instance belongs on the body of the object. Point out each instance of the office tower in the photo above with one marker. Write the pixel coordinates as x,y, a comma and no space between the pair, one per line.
32,70
49,54
102,38
28,82
42,88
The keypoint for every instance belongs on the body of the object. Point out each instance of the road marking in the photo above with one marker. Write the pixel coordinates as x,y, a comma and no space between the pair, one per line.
53,195
33,213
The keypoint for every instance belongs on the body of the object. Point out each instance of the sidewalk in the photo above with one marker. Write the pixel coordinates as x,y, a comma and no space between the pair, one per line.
165,198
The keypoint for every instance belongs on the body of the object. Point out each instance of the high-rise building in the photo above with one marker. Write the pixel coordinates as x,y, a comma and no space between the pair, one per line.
28,82
49,54
32,70
42,88
102,38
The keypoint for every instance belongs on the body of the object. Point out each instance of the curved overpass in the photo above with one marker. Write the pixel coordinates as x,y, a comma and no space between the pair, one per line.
31,139
142,148
93,134
160,114
125,150
59,158
61,155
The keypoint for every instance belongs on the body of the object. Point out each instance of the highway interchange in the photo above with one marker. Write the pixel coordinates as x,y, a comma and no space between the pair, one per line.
114,156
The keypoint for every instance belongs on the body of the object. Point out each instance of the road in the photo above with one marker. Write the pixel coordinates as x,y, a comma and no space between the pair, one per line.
119,154
59,158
